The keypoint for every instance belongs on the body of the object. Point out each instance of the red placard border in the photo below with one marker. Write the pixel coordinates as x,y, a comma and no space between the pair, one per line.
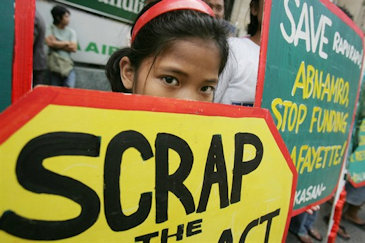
23,48
356,185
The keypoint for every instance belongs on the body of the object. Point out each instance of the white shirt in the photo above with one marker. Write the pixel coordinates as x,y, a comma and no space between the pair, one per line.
237,82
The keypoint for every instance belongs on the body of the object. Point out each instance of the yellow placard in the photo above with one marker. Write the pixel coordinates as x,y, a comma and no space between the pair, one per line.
83,174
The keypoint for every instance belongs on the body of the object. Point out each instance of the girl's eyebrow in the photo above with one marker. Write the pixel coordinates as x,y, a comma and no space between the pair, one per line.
177,71
213,81
174,70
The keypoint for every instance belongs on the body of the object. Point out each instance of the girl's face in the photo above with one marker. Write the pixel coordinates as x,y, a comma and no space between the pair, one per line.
187,69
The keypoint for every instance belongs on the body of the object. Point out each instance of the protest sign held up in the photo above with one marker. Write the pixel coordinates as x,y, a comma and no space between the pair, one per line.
309,75
138,168
356,167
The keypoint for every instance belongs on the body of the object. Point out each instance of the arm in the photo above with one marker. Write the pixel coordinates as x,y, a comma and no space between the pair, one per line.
70,47
52,42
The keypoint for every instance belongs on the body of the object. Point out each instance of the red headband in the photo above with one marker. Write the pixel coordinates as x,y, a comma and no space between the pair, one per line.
165,6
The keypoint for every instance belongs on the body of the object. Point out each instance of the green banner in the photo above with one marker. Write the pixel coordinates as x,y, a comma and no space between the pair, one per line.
6,57
356,166
310,84
125,10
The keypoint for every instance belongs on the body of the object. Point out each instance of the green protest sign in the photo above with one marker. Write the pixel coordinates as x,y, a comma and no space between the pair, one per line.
6,59
125,10
356,166
309,74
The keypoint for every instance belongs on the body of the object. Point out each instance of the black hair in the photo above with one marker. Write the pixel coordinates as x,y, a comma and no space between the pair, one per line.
253,26
162,31
57,13
346,11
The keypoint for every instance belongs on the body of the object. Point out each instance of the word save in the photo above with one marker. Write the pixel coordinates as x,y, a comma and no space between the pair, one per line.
305,28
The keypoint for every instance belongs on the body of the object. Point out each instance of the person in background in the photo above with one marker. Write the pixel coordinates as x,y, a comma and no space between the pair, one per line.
354,200
355,196
218,8
39,55
178,50
237,83
63,40
302,226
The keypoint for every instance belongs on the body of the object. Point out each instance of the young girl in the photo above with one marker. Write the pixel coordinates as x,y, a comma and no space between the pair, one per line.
178,50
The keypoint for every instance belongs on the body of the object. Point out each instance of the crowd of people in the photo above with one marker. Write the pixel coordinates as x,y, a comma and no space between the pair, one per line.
159,62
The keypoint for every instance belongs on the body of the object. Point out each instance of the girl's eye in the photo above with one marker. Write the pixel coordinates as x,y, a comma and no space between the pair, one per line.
170,81
207,89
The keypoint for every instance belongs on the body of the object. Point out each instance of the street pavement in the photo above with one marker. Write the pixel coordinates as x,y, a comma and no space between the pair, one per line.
357,234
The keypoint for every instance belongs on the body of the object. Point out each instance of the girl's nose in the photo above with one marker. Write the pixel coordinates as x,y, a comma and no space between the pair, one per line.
188,94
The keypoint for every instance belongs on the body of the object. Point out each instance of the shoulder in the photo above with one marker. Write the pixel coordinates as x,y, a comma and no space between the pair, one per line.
70,30
51,26
71,33
239,42
50,30
243,46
